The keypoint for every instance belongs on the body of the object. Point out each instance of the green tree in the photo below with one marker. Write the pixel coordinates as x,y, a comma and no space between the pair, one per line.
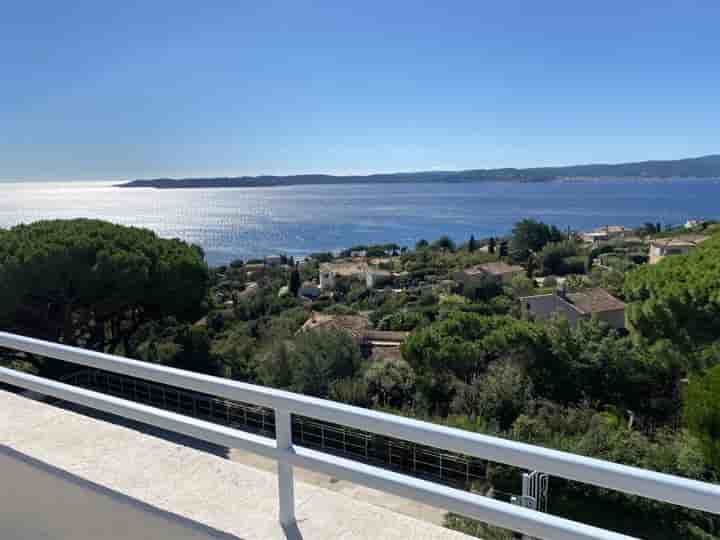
492,244
444,242
319,358
554,256
402,321
421,244
94,283
498,396
702,413
194,352
275,367
351,391
522,286
483,288
472,246
531,267
677,299
391,383
530,235
503,252
294,281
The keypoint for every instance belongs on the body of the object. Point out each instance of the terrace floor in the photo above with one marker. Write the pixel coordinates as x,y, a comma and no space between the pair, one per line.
71,476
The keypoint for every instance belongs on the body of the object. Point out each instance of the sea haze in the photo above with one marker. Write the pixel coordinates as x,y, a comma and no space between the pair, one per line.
234,223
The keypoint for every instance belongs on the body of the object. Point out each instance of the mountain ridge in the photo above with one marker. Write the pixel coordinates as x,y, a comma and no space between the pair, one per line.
699,167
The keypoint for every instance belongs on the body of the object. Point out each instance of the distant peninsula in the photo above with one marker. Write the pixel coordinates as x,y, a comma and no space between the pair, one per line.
701,167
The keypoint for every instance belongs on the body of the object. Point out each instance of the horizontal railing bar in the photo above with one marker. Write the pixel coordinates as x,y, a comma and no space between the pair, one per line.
498,513
161,418
461,502
631,480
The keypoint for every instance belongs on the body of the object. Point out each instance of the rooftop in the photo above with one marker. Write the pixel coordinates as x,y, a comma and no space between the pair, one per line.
345,268
385,336
118,482
683,240
495,268
584,302
356,325
595,301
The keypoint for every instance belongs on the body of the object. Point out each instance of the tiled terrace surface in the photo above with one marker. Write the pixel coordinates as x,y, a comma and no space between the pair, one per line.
70,476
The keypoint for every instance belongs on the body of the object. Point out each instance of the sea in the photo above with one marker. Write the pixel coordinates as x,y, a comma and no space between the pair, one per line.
232,223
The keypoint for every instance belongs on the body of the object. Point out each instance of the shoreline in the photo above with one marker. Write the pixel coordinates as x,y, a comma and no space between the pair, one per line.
162,184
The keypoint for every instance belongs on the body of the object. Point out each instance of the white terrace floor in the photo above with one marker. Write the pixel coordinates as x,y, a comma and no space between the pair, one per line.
68,476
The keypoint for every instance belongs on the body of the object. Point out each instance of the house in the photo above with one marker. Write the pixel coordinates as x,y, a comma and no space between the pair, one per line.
677,245
358,254
374,344
310,290
605,234
376,278
274,260
693,223
501,271
254,270
355,325
327,278
382,345
345,268
575,306
250,289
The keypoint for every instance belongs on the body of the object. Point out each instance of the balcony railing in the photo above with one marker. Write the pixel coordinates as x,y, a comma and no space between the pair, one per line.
631,480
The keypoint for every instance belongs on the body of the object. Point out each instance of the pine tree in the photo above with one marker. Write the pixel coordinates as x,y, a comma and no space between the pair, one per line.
491,245
294,282
503,248
531,267
472,246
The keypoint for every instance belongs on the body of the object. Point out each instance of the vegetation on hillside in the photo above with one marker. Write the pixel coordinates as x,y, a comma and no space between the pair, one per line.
470,360
702,167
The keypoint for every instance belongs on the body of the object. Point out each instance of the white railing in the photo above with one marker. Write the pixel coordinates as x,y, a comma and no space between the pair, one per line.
631,480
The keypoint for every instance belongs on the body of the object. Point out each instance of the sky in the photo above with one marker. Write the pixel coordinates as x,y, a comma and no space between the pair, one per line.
139,89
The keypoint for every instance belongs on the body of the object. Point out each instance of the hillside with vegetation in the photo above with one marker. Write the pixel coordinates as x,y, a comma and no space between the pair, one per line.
467,355
702,167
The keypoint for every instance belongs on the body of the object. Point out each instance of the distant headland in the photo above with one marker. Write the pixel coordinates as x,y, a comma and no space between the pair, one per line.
701,167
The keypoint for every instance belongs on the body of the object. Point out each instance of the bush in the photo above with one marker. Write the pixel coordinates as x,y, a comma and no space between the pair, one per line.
498,396
322,357
554,257
522,286
402,321
702,412
574,265
444,242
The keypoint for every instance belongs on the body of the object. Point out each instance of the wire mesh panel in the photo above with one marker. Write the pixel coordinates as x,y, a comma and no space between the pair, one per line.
390,453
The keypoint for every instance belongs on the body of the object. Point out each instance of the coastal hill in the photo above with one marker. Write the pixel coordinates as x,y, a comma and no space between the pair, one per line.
701,167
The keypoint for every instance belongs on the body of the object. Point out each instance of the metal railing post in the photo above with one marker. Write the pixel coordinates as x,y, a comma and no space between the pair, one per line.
286,484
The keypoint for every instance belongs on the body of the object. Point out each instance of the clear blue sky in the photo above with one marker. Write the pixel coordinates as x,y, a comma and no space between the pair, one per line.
111,90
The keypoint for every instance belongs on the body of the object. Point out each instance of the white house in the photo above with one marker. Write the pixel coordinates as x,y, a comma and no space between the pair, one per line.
327,278
375,278
692,223
678,245
606,233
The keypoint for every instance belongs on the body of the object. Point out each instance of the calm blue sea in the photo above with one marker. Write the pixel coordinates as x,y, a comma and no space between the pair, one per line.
251,222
